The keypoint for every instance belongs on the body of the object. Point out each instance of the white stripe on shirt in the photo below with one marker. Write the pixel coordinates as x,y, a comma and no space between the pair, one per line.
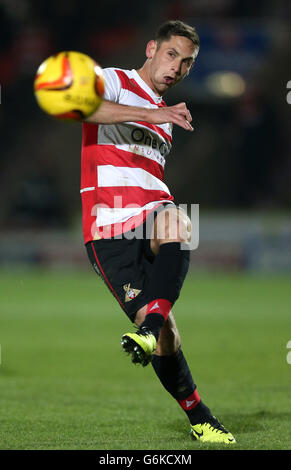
108,215
112,176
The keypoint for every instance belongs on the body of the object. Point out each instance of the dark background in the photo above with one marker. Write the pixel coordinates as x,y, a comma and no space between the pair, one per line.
237,159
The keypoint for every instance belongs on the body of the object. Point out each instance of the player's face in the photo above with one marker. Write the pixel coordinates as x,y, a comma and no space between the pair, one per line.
170,63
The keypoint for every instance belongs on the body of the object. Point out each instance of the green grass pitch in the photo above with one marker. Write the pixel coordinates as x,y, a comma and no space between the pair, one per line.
66,384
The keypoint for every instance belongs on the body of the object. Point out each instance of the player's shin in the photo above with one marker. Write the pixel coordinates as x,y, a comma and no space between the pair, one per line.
174,374
176,377
170,269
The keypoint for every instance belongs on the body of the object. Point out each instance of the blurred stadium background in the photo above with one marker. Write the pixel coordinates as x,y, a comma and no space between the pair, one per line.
236,166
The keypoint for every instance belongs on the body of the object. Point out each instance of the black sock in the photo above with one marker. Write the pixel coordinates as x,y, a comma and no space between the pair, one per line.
199,414
175,376
154,323
170,269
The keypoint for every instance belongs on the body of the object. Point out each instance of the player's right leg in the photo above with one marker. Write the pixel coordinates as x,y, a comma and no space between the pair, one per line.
163,350
169,243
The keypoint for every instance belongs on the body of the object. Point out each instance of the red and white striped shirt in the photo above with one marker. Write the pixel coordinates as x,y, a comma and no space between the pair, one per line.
122,167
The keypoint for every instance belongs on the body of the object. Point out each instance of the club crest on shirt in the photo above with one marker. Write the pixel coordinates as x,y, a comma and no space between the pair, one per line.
130,293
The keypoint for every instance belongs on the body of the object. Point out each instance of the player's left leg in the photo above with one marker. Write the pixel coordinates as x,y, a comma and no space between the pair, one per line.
172,369
174,374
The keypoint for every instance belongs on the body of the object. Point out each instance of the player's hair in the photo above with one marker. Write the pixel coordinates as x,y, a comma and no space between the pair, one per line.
177,28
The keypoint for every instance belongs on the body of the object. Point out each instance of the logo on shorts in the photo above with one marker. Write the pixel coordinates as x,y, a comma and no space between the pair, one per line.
130,293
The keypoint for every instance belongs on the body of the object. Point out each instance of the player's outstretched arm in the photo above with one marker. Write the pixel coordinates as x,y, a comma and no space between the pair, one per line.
112,113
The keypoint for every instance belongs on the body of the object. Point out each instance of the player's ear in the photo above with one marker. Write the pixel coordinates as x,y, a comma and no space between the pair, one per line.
151,49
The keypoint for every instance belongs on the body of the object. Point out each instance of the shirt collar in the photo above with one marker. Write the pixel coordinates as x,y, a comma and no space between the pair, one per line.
144,86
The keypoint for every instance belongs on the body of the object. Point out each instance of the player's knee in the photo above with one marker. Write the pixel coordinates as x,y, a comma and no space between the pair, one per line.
184,227
173,225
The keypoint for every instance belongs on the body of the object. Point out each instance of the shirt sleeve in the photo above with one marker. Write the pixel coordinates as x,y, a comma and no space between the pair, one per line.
112,85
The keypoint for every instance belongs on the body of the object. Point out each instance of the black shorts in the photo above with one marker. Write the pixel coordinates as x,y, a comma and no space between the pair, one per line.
126,265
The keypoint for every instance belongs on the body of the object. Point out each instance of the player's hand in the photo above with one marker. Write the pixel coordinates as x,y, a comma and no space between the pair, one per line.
177,114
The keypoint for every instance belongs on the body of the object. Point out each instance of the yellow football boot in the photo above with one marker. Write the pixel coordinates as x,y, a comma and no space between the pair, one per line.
211,431
140,345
